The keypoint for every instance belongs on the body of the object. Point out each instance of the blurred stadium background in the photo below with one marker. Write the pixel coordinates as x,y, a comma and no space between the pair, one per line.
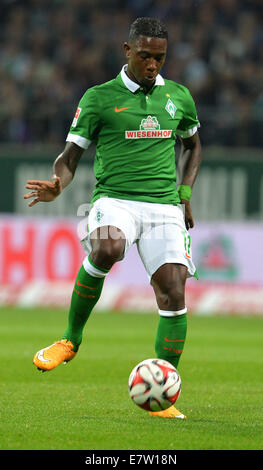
50,53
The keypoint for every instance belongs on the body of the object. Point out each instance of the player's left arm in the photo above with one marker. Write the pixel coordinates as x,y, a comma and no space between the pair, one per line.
187,170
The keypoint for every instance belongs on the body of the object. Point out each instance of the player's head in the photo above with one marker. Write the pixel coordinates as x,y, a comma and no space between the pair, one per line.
149,27
146,49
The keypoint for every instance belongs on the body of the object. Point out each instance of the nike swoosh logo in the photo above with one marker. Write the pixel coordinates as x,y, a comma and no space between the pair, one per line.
118,110
40,355
173,340
83,285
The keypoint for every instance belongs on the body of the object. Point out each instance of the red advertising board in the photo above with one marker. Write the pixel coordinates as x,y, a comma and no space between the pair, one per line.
40,258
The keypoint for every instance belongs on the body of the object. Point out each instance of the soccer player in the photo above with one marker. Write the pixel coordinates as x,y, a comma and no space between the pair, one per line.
134,120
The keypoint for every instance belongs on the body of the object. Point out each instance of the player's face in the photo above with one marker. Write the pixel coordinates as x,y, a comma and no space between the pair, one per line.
146,57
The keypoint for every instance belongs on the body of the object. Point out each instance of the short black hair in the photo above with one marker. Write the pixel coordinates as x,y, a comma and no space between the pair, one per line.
150,27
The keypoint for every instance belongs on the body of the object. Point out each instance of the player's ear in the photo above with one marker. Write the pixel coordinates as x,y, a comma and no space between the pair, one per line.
127,49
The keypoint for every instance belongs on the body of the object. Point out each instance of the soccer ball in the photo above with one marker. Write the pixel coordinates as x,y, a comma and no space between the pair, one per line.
154,384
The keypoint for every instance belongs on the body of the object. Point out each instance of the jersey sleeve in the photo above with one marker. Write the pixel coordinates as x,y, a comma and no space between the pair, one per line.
85,125
189,123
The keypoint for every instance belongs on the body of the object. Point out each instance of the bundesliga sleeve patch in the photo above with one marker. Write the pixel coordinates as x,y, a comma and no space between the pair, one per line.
75,120
149,129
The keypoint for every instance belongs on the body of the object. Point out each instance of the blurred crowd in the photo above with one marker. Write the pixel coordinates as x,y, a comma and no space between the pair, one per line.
52,51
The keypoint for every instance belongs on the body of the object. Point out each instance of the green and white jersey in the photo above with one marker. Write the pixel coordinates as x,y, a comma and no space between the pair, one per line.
135,133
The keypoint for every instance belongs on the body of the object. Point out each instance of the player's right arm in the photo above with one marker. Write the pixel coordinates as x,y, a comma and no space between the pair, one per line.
83,131
64,169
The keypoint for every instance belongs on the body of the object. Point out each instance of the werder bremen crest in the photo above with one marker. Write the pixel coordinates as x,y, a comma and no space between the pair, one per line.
170,108
99,215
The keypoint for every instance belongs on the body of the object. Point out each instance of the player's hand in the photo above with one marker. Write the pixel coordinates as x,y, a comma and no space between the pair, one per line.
188,216
43,191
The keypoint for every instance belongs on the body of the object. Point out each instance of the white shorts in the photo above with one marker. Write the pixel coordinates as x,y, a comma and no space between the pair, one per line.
158,230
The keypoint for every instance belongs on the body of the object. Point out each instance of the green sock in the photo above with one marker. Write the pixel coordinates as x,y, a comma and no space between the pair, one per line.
170,338
85,295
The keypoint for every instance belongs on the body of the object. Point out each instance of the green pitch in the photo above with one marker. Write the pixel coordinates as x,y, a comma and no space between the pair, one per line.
85,405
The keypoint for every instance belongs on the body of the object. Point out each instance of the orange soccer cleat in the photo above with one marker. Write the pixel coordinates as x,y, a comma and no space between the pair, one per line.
171,412
50,357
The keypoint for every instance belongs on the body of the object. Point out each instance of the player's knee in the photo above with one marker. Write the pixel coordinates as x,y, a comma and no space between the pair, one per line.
172,297
176,298
169,286
107,252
